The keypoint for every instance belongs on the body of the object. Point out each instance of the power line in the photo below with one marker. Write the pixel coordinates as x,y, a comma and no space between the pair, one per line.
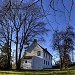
46,17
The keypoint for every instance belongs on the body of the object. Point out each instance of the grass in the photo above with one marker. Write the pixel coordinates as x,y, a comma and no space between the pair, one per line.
70,71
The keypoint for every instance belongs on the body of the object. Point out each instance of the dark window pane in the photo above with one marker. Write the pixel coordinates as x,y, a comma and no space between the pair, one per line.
44,61
26,61
46,55
48,62
49,56
39,53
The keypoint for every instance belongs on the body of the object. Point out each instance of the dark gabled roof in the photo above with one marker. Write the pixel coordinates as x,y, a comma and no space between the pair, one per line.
28,57
45,49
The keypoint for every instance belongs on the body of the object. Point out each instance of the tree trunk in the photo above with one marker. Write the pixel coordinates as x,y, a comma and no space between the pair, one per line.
61,67
17,49
64,59
8,52
19,61
21,47
19,64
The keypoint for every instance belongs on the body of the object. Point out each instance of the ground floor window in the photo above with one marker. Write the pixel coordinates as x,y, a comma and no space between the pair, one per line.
48,62
44,61
25,61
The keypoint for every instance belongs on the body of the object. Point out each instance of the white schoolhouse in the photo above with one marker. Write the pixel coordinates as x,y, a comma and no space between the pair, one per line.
36,57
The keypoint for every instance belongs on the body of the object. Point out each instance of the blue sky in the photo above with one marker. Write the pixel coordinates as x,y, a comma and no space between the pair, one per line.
61,24
58,22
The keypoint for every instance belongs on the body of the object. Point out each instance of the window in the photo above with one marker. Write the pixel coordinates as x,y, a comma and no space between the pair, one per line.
39,53
44,61
49,56
25,61
48,62
44,54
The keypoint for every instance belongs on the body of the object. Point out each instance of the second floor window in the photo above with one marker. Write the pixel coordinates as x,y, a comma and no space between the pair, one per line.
44,54
49,56
39,53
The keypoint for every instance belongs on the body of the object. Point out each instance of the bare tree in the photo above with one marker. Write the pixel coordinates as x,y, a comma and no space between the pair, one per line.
27,24
58,8
63,43
6,36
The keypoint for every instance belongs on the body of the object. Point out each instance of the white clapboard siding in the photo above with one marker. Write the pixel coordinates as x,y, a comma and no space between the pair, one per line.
37,62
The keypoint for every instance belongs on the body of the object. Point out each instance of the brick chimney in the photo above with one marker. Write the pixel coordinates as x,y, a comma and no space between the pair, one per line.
35,41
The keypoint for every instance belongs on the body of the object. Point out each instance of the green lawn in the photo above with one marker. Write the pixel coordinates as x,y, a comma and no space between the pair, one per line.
70,71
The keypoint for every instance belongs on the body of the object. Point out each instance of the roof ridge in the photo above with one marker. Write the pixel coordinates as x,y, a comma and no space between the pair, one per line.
44,49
